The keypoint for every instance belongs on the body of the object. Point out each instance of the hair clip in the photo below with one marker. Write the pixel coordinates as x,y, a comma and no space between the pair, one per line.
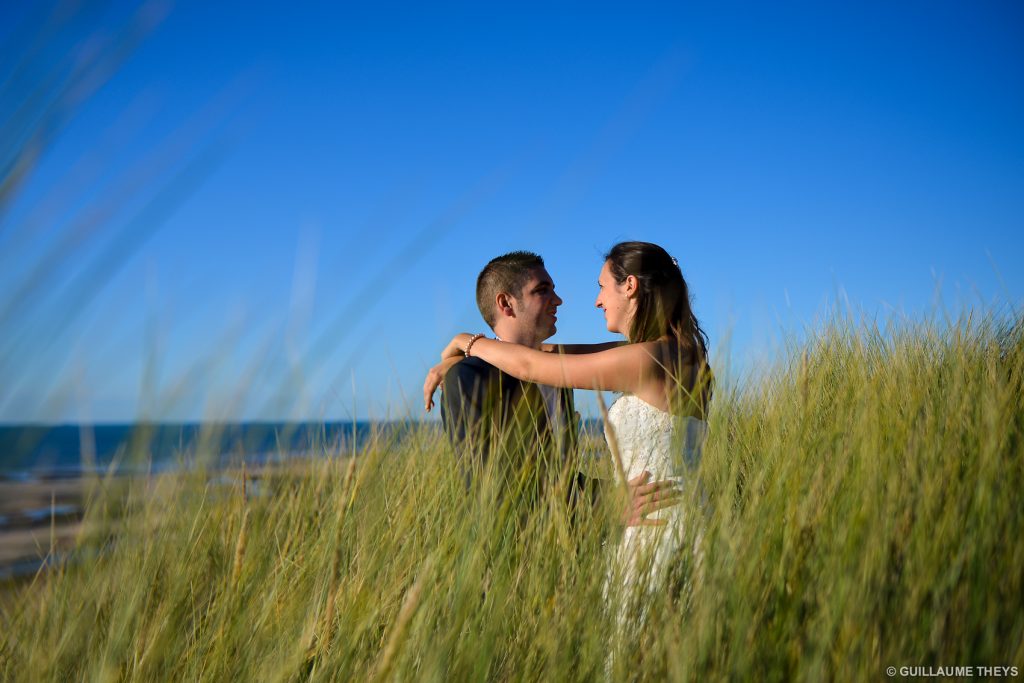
674,262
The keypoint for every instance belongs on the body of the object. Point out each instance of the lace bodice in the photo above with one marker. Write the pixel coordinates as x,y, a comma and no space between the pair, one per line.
651,439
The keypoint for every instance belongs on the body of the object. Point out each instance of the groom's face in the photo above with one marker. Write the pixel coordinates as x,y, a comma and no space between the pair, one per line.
537,305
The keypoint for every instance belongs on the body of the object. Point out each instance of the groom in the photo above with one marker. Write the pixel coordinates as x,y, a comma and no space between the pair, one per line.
489,414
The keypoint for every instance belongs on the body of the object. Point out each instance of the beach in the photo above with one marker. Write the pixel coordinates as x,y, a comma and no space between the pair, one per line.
37,516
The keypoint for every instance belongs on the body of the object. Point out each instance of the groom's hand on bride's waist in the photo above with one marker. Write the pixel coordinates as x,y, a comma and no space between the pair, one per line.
646,497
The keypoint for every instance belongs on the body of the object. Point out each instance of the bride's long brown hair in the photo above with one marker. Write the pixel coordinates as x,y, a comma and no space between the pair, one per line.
663,307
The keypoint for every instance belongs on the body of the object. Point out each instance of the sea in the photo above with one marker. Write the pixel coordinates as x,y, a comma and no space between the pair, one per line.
41,452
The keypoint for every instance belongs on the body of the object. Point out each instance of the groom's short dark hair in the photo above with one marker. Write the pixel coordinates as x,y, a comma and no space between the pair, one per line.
506,273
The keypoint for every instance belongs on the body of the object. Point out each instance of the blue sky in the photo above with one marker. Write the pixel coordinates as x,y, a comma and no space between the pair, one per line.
337,174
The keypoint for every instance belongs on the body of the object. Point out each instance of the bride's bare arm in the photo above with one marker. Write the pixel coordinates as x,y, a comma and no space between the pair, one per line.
623,368
435,377
580,348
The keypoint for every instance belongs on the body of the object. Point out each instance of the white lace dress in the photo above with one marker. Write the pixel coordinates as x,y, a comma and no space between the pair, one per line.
669,447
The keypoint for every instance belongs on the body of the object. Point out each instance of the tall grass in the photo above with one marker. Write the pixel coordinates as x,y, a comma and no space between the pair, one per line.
860,507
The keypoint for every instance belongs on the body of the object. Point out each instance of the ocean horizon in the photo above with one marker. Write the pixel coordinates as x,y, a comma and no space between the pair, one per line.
35,451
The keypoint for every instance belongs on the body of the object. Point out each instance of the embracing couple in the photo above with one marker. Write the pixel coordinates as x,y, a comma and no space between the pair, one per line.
516,384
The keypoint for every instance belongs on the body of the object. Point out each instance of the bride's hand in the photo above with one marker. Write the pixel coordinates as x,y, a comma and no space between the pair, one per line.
456,347
645,498
435,376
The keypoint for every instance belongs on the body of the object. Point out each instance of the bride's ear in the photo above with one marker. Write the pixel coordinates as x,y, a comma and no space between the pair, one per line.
631,286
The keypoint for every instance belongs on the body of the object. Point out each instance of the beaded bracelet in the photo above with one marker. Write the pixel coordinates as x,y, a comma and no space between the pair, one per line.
472,340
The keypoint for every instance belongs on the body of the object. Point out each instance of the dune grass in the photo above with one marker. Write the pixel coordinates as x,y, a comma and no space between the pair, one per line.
862,508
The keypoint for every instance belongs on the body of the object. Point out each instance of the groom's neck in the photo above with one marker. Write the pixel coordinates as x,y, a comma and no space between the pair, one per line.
517,335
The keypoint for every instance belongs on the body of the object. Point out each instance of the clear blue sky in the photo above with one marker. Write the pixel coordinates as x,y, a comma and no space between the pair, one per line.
368,159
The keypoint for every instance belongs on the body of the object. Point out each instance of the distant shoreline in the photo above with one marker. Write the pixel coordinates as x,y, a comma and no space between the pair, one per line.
33,452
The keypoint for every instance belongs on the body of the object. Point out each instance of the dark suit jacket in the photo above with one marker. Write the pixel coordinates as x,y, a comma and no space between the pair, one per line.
499,424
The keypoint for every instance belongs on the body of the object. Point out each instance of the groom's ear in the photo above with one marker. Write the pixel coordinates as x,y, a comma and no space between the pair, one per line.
504,302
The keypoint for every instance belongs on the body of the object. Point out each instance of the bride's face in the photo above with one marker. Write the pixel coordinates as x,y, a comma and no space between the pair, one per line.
615,300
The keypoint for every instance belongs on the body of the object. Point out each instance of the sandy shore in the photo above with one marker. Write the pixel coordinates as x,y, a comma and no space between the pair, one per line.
35,514
41,515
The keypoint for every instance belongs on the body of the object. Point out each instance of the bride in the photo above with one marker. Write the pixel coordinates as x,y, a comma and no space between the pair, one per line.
658,424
